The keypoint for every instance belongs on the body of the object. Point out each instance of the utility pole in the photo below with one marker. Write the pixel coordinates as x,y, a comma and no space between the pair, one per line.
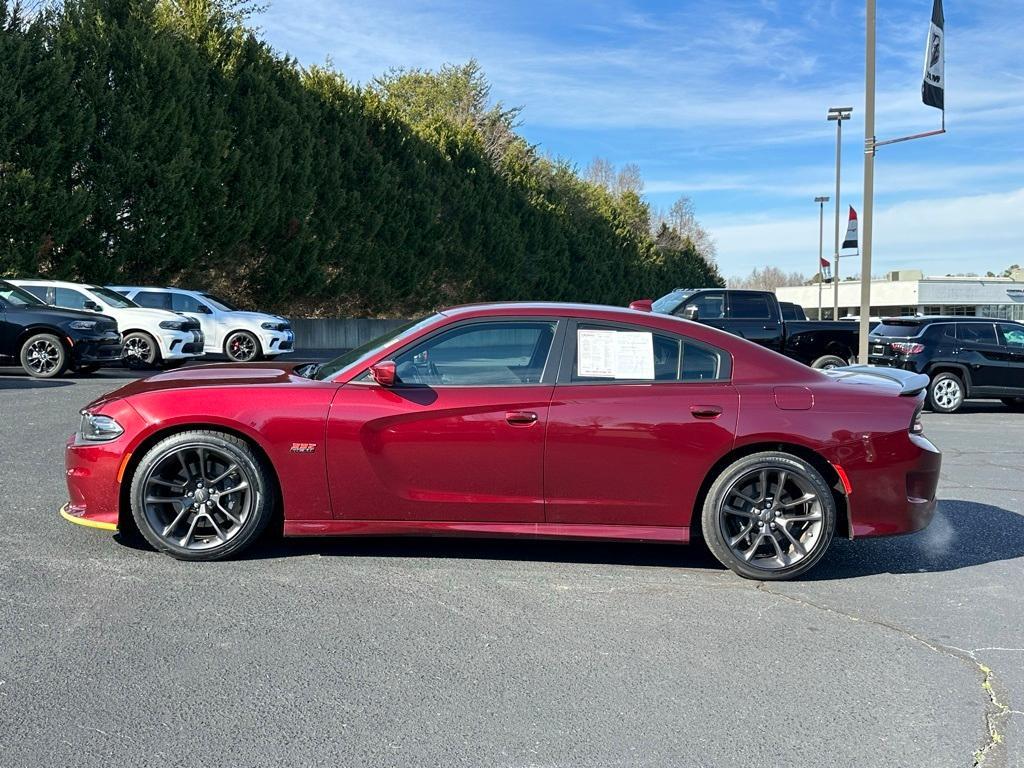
869,185
821,200
838,114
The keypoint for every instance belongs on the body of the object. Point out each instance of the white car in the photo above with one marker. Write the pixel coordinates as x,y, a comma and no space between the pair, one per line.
242,336
151,337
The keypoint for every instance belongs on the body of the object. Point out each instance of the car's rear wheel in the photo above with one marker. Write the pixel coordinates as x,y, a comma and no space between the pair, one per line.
242,347
769,516
945,393
201,495
43,356
828,362
140,350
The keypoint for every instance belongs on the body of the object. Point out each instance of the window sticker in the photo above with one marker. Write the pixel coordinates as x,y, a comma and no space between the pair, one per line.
615,354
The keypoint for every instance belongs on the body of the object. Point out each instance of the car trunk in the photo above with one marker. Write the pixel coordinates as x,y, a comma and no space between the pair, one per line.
894,343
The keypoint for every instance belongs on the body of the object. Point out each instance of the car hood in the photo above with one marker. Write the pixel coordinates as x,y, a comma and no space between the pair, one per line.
215,375
156,315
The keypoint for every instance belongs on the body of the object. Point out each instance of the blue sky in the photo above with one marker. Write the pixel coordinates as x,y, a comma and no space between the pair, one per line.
725,101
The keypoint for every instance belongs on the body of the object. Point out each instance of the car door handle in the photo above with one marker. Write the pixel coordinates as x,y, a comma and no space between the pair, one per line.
706,411
521,418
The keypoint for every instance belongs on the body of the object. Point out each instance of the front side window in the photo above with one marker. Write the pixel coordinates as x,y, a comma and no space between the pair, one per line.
709,306
153,299
976,333
749,306
1011,335
481,354
69,298
620,354
182,302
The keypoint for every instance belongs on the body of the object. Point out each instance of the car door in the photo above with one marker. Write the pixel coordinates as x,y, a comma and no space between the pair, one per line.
981,352
459,437
631,446
8,330
1011,338
187,304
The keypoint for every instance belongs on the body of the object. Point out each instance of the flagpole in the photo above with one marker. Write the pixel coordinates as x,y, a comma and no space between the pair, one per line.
869,184
821,244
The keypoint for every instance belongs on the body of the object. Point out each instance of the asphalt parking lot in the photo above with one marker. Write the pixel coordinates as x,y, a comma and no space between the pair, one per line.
905,651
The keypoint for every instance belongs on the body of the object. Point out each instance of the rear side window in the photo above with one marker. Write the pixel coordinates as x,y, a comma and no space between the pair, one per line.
749,306
153,299
976,333
609,354
1011,335
71,299
39,291
904,330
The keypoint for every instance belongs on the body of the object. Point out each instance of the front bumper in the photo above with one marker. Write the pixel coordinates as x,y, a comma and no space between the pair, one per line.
276,342
104,348
178,345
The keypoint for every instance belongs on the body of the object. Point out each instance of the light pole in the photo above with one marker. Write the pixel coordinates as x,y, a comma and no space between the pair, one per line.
821,200
838,114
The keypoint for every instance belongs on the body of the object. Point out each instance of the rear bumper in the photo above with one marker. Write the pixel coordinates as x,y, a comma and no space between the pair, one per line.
893,481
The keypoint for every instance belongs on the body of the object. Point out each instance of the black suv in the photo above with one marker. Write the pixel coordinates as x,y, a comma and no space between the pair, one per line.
965,357
48,341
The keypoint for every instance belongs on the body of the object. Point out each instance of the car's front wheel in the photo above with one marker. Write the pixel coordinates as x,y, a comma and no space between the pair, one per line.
242,347
43,356
945,393
201,495
140,350
769,516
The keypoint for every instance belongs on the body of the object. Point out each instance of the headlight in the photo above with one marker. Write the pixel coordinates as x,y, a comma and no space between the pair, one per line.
97,428
82,325
272,326
174,325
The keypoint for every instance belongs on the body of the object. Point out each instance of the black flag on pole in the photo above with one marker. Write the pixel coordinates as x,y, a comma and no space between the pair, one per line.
933,87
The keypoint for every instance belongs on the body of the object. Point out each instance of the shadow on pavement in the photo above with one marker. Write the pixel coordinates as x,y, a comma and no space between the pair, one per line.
26,382
963,534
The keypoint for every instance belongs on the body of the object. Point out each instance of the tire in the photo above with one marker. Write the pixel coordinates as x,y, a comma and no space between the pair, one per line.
946,393
43,356
801,541
1016,403
87,369
140,351
193,523
828,362
242,347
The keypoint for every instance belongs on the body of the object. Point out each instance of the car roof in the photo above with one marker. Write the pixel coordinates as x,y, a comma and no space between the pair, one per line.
926,319
568,309
53,283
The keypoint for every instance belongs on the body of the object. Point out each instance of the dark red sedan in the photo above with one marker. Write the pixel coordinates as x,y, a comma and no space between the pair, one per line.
540,420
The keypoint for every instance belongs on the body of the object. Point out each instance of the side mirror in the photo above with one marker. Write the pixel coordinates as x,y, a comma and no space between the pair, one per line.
691,313
644,305
92,306
384,373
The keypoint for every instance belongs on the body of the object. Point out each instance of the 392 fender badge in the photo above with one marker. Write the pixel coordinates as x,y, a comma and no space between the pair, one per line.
303,447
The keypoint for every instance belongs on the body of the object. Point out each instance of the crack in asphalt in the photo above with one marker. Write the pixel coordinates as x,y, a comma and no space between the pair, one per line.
996,709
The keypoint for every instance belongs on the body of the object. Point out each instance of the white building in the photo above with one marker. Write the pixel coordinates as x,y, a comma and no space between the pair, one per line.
909,292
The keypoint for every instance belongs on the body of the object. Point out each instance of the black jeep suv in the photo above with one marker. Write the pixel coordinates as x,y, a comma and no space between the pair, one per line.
964,356
48,341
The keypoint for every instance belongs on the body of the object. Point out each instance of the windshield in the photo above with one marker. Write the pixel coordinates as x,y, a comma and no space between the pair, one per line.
223,306
369,348
12,294
904,330
114,299
670,302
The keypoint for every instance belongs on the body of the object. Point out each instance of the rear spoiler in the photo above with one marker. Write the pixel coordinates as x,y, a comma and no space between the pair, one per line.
910,383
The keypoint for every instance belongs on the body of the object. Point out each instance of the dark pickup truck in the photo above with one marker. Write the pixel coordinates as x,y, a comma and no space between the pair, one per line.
756,315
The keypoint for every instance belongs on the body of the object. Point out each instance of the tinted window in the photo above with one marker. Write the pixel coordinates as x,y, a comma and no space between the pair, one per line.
1011,335
896,329
709,306
671,358
791,311
181,302
976,333
18,297
506,353
39,291
668,303
749,306
113,298
71,299
153,299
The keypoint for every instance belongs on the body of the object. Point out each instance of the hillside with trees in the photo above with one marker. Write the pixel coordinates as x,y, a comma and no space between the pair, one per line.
163,141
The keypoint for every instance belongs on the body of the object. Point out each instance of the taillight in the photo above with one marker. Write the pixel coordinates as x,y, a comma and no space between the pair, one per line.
907,347
916,427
